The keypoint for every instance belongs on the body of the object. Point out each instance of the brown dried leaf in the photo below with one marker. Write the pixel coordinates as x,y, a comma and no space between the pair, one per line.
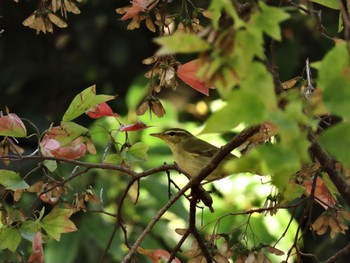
56,4
71,7
142,108
181,231
122,10
57,20
48,25
250,258
29,20
321,224
274,250
345,214
135,23
38,25
150,25
149,60
18,194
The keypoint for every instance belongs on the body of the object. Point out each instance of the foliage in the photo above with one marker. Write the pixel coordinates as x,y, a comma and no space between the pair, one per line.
291,138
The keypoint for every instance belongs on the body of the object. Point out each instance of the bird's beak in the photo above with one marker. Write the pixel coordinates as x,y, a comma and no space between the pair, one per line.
159,135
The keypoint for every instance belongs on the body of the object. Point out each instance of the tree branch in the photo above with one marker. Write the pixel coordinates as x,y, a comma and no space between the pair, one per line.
341,253
215,161
328,165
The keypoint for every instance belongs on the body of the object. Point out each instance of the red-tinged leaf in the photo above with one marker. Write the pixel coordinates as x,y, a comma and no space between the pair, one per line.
188,74
84,101
72,151
38,252
49,145
321,193
134,10
138,126
139,6
100,110
57,222
156,255
12,125
49,199
67,132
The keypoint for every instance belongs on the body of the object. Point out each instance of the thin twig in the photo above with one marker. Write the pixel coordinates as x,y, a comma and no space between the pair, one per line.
340,254
328,165
215,161
193,229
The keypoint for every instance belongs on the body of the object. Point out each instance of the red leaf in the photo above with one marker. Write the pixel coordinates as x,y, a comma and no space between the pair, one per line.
70,152
156,255
38,252
137,7
188,74
101,110
133,11
138,126
322,194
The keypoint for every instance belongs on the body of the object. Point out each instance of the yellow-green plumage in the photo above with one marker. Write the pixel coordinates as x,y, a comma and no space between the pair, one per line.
191,153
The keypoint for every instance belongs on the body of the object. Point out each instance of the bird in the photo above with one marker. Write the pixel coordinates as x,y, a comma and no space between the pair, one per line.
191,153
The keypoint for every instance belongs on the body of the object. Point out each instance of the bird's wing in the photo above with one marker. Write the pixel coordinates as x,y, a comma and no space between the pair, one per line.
200,147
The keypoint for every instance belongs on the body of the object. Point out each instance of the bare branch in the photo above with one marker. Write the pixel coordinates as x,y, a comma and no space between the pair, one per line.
215,161
340,254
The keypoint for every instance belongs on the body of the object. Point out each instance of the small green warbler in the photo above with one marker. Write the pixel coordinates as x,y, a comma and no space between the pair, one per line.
192,153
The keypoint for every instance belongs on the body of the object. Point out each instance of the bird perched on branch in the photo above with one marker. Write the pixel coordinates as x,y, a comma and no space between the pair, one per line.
192,153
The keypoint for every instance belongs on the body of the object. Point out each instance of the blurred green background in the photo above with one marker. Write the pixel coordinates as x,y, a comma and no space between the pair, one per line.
40,75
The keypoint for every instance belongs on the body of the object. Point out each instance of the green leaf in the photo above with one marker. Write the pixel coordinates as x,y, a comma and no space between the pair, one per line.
12,180
249,43
84,101
243,107
136,153
276,160
334,80
51,165
268,20
181,43
248,105
72,131
113,159
28,229
292,192
259,81
57,222
9,238
215,9
334,4
336,141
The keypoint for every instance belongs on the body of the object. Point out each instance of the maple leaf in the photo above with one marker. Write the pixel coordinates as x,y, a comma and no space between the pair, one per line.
71,151
137,7
321,193
57,222
138,126
12,125
100,110
188,74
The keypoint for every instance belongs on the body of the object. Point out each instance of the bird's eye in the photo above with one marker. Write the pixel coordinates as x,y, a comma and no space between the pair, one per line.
171,133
